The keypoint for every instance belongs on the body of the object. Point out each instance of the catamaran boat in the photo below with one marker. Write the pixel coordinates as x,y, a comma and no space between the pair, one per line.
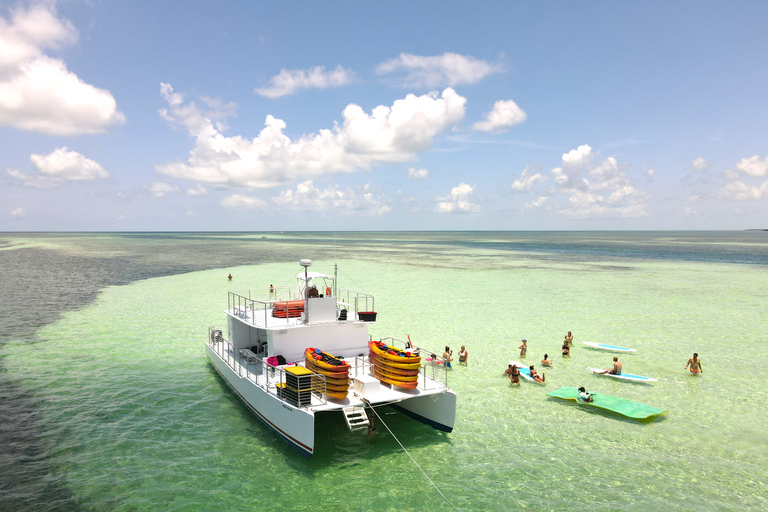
277,359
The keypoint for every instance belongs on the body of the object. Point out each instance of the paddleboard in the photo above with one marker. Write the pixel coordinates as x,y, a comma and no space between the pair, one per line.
624,376
610,348
525,372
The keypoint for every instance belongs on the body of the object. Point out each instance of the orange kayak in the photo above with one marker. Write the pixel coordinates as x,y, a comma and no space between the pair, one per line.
380,363
342,373
395,382
382,350
325,361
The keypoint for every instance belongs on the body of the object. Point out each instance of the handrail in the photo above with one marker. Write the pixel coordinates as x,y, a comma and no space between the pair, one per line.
435,369
258,371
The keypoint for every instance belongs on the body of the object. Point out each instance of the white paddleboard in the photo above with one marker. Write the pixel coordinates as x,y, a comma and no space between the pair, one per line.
610,348
624,376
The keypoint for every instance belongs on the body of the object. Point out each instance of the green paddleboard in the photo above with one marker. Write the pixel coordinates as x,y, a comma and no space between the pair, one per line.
615,404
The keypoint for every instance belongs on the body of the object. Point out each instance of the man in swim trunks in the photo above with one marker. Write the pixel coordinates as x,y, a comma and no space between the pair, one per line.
616,370
535,376
695,364
514,374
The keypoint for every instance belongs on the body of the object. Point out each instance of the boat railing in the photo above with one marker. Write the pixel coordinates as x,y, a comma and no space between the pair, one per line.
359,302
243,305
433,367
271,379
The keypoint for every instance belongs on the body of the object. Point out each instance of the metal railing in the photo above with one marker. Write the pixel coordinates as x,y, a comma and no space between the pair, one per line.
269,378
434,371
358,301
245,305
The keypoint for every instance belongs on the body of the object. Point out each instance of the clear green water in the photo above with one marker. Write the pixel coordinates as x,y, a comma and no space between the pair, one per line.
134,418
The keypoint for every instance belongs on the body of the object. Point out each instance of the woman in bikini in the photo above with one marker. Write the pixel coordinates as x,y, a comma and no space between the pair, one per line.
514,374
535,376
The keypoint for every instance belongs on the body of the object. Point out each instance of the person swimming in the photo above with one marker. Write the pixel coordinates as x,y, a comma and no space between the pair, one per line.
546,361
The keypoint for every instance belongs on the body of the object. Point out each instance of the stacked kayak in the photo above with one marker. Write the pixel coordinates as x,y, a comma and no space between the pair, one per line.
393,366
615,404
335,371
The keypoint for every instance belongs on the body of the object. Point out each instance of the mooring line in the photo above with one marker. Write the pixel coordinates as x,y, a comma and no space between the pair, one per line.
414,460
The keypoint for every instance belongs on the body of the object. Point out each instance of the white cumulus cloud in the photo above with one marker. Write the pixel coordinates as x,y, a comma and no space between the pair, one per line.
197,191
699,163
527,180
309,198
439,70
159,189
388,134
290,81
241,202
753,166
18,212
505,115
458,201
740,191
38,93
598,187
63,164
535,204
417,174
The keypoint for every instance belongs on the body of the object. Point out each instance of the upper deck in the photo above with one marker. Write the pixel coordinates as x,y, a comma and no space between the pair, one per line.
281,308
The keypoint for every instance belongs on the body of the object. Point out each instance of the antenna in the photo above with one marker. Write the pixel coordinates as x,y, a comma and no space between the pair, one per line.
306,264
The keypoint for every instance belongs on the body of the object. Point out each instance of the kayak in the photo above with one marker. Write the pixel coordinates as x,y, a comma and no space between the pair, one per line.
624,376
381,363
615,404
325,361
392,354
401,366
525,372
610,348
394,376
395,382
334,375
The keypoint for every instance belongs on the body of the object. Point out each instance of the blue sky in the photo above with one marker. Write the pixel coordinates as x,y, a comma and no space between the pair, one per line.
152,116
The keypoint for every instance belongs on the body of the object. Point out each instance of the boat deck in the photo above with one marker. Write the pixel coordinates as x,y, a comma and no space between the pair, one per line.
268,378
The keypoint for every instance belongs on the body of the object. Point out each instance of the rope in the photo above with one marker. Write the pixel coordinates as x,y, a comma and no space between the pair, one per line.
409,455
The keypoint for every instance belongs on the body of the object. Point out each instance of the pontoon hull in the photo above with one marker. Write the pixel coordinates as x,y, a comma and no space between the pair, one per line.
296,426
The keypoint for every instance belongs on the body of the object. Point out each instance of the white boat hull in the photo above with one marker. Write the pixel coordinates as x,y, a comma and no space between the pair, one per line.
437,410
295,425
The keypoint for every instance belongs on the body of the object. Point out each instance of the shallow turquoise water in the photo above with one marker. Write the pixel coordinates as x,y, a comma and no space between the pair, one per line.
136,419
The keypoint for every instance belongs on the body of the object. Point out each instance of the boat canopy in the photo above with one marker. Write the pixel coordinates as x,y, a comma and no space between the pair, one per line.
322,282
313,275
